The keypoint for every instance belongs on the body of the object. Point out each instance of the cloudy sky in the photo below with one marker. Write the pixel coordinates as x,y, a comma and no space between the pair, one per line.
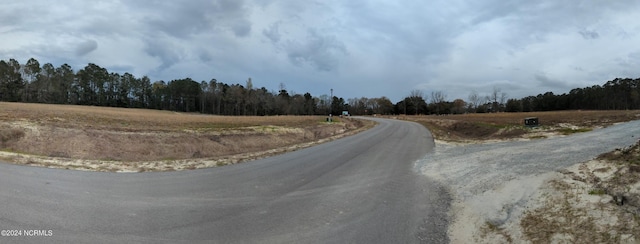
358,48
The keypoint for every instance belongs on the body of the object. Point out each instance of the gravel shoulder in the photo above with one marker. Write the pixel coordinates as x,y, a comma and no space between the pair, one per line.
494,184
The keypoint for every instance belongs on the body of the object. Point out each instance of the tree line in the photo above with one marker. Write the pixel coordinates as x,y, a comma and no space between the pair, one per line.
617,94
95,85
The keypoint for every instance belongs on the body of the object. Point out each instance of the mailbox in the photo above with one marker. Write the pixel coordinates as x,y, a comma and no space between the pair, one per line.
531,121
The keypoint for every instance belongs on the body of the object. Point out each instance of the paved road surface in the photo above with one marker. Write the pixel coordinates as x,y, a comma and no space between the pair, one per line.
359,189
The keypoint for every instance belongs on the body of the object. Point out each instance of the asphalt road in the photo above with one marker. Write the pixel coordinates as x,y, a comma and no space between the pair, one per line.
360,189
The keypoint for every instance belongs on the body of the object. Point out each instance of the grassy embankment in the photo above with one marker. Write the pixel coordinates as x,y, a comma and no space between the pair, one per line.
130,136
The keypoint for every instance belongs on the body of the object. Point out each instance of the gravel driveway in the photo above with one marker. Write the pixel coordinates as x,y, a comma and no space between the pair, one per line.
494,181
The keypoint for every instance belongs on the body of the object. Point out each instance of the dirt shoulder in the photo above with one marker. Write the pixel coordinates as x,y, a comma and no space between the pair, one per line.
136,140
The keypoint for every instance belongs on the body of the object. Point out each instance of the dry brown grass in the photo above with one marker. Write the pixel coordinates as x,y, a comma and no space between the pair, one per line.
118,134
510,125
7,135
121,119
574,117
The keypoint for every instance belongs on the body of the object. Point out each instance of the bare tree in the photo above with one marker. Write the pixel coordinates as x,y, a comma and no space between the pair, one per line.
324,104
498,99
416,96
416,93
474,100
495,95
503,98
437,99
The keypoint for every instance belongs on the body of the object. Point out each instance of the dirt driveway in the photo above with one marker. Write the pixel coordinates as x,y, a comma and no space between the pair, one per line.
494,184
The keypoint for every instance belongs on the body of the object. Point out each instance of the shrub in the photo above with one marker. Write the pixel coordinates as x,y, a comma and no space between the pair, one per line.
10,134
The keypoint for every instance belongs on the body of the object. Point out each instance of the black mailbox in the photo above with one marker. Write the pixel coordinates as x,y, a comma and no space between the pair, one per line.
531,121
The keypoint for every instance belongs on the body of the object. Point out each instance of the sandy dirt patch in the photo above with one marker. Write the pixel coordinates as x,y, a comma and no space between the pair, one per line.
592,202
539,191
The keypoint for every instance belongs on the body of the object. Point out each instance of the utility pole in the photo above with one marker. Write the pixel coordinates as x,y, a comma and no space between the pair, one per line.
331,106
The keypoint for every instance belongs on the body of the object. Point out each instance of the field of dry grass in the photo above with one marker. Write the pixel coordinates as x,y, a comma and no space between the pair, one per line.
138,135
501,126
71,116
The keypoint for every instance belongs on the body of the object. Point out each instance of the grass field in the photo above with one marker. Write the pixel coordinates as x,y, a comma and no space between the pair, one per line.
470,127
139,135
72,116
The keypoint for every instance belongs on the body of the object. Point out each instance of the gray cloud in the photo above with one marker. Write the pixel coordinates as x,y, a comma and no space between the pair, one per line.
205,56
180,19
12,16
547,82
323,52
241,28
629,61
86,47
532,22
589,34
167,53
416,31
273,32
183,19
